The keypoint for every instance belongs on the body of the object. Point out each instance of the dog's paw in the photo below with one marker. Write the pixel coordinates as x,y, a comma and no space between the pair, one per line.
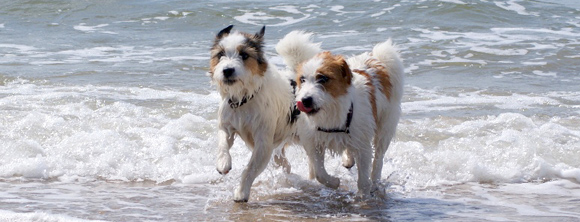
223,172
347,163
241,201
363,195
240,196
347,160
378,192
332,182
224,164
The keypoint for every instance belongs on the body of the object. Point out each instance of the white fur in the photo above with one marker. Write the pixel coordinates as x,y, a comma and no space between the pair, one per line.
333,113
297,47
261,122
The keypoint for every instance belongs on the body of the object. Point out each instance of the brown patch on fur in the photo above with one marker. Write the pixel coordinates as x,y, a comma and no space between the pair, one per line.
253,45
335,68
382,75
253,63
372,96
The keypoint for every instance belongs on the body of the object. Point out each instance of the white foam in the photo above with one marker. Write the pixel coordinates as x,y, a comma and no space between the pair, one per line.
288,9
506,148
512,5
258,18
542,73
37,216
535,63
378,14
440,101
431,62
339,9
563,32
459,2
21,48
136,134
80,135
162,18
85,28
502,52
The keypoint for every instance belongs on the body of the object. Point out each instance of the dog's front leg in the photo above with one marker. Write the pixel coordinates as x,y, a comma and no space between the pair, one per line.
261,155
225,142
316,157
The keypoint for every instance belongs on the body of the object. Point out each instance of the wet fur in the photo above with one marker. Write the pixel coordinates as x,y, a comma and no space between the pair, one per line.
373,83
264,120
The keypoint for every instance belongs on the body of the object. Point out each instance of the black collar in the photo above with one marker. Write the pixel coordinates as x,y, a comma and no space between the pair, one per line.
244,100
346,127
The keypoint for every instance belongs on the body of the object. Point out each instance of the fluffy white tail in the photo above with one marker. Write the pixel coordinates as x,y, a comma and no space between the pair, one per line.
297,47
387,53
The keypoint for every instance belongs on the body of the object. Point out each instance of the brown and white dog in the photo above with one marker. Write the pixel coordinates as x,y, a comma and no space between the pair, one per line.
350,104
256,104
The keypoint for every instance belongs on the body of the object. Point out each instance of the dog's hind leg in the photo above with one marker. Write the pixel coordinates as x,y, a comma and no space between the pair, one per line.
382,140
363,154
316,158
280,160
261,155
225,142
381,146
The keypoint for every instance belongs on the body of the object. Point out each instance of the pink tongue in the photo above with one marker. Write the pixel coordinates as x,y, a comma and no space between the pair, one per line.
302,108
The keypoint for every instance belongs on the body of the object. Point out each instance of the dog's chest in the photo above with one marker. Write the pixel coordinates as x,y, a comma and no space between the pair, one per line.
335,142
251,124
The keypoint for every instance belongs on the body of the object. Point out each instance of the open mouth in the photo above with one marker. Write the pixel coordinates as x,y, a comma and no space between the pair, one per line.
305,109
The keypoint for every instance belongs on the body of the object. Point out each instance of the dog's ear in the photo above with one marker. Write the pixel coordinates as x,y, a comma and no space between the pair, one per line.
223,32
344,68
260,35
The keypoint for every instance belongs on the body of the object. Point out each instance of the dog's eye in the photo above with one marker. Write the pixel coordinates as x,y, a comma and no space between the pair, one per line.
322,79
302,79
220,54
244,55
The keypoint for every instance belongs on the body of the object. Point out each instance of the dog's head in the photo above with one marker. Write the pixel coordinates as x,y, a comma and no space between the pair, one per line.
322,80
237,63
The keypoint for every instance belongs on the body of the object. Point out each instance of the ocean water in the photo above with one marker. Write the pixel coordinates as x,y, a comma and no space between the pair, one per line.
106,111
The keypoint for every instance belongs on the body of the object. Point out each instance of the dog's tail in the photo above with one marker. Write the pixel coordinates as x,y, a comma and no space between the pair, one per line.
297,47
387,53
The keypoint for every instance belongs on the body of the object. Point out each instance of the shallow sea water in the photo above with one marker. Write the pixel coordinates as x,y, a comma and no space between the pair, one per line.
106,112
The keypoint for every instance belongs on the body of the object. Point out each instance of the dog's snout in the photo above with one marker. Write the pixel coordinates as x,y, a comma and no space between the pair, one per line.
229,72
307,102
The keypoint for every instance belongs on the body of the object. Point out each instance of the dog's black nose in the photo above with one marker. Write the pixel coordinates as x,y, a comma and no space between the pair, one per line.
229,72
307,102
